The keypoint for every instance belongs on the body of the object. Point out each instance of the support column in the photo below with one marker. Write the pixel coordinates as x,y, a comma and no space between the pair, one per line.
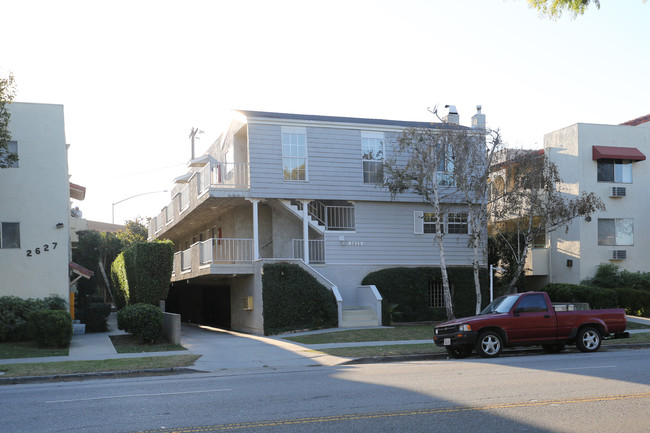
256,230
305,231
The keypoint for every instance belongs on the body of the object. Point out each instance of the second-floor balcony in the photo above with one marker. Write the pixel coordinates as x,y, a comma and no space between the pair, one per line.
214,256
222,175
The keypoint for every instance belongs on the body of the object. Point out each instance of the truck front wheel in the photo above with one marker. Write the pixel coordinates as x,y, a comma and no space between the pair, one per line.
489,344
588,339
459,353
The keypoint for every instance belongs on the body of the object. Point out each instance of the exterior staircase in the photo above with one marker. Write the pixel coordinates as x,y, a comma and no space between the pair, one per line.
358,317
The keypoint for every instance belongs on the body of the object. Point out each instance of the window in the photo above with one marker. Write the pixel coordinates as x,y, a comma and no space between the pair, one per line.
532,304
12,147
619,231
294,153
615,170
372,155
445,166
457,223
430,223
10,235
437,294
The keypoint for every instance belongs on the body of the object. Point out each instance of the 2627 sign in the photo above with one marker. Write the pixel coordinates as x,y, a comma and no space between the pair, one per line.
46,248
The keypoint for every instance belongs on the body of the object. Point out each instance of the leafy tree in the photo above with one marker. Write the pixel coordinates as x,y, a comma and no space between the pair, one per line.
534,204
7,93
135,231
421,163
473,154
554,8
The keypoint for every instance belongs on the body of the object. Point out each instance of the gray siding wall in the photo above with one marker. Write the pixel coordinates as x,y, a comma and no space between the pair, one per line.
384,236
334,165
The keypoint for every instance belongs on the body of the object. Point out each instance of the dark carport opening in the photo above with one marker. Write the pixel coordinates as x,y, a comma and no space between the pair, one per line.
200,304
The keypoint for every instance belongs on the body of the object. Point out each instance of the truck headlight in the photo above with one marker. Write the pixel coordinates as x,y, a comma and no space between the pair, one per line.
464,328
435,331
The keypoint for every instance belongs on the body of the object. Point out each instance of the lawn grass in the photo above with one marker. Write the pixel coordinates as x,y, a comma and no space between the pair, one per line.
127,343
75,367
396,333
28,349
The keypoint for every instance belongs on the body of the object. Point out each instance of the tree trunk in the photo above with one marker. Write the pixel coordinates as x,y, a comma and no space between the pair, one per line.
449,307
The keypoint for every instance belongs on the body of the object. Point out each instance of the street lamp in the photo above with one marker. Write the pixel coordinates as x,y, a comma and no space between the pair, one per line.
129,198
493,268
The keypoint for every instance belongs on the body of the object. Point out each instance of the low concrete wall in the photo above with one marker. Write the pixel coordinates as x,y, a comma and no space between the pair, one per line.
172,327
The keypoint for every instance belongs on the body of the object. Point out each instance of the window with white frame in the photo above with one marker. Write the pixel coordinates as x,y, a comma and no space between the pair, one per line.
457,223
445,166
615,231
430,220
372,155
294,153
615,170
10,235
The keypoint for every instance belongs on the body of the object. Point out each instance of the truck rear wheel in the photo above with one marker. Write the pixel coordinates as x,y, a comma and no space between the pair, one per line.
489,344
588,339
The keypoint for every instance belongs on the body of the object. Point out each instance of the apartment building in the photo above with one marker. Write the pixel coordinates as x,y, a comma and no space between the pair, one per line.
302,189
609,160
34,205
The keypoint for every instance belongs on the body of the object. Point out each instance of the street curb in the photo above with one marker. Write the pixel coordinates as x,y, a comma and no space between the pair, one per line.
97,375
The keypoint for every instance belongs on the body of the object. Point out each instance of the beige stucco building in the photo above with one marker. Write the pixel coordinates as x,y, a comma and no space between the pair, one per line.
609,160
34,205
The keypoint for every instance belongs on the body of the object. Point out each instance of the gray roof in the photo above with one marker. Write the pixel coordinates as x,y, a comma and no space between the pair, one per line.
338,119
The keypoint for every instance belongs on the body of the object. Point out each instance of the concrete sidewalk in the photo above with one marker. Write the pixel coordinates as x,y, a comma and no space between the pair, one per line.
226,350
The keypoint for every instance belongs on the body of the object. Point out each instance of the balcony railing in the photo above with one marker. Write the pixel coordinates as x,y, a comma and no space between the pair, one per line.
186,260
333,217
222,250
316,250
223,175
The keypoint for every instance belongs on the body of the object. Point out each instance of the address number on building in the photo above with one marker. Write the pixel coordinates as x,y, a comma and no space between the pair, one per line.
46,248
355,243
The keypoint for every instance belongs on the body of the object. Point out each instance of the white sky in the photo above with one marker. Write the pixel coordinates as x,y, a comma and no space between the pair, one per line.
135,76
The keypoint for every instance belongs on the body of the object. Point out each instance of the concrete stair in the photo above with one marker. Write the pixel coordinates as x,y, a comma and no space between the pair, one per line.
357,317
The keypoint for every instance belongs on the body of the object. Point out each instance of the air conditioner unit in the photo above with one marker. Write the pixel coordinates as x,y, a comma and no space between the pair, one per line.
618,191
619,255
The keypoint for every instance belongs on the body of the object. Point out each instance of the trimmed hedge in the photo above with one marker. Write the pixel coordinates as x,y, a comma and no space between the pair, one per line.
141,320
409,289
596,297
15,312
295,300
120,282
141,274
635,302
50,328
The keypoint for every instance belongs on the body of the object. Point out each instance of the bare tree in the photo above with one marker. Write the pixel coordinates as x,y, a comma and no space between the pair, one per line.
421,163
474,153
534,203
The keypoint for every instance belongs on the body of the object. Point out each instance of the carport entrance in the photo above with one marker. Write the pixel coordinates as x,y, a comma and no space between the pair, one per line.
202,304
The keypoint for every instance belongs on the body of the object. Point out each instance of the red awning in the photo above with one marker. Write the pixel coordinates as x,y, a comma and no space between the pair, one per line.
613,152
80,270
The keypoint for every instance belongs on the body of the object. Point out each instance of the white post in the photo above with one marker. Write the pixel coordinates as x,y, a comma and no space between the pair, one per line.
256,246
305,231
492,269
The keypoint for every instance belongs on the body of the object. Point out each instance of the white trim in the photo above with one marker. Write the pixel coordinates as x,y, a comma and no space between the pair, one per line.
418,222
294,130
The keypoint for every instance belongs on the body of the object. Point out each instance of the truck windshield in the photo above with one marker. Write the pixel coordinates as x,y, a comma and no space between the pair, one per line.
501,304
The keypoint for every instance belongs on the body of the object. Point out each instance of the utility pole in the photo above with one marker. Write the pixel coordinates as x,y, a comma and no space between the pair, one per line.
193,133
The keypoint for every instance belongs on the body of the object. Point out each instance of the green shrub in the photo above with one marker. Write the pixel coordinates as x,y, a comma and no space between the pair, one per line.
635,302
409,289
120,282
141,273
293,299
596,297
51,328
95,316
141,320
612,276
14,315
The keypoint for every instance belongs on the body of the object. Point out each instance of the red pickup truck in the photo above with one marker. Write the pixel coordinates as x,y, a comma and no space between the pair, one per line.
528,319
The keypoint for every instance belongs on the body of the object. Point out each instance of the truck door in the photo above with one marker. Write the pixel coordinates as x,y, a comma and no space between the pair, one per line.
532,320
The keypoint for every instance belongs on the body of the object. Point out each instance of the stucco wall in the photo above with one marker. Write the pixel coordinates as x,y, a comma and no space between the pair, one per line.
36,195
